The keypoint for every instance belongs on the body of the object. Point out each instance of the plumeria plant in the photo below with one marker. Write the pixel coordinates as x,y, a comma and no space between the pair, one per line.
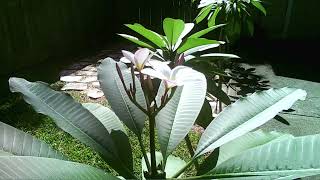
237,14
230,146
177,42
180,46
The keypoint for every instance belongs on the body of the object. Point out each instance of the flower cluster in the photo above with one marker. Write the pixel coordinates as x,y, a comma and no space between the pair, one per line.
177,76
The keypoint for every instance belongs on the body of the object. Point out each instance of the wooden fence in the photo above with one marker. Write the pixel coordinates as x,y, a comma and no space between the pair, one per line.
37,30
151,13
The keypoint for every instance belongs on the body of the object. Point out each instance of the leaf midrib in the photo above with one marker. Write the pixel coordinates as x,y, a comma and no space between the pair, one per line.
209,143
69,122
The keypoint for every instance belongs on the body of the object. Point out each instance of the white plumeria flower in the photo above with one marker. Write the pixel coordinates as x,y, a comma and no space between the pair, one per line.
177,76
139,58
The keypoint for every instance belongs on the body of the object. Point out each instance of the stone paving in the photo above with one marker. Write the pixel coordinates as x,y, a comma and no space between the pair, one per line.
83,76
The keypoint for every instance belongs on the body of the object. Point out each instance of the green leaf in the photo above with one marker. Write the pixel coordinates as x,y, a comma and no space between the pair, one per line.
206,31
289,158
115,93
259,6
24,167
205,116
210,56
218,92
19,143
212,19
199,49
248,141
245,115
114,126
203,13
174,164
175,120
195,42
71,117
209,162
173,28
221,55
137,41
152,36
106,116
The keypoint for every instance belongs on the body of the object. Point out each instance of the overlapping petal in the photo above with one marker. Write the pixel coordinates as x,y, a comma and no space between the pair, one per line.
139,58
171,77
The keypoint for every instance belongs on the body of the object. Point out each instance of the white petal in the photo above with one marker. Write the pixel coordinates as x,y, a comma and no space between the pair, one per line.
153,73
128,55
141,55
161,67
175,72
125,60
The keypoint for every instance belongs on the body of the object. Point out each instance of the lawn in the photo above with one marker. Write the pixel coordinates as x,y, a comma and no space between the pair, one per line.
17,113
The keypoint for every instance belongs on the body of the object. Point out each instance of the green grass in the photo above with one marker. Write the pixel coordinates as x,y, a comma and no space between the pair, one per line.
20,115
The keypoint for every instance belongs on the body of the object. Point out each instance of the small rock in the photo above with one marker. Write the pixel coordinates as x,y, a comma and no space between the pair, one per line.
75,86
95,93
70,78
86,73
88,79
96,84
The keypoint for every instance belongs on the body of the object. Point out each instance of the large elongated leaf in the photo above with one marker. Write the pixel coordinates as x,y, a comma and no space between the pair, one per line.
213,17
206,31
22,167
218,92
114,126
152,36
199,49
245,115
203,13
194,42
136,40
19,143
248,141
259,6
173,29
73,118
286,159
115,93
175,120
106,116
205,116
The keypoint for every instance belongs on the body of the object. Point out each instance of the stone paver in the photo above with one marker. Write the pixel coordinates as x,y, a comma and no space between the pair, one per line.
70,78
75,86
83,76
95,93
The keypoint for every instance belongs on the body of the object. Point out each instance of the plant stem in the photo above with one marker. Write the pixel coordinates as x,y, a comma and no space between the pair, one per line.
144,153
184,168
152,145
190,148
